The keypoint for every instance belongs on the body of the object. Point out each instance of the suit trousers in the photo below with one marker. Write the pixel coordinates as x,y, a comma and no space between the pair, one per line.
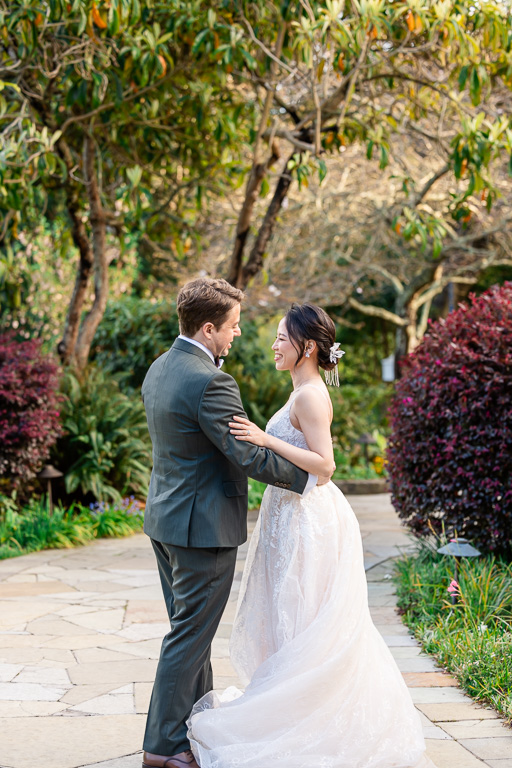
196,583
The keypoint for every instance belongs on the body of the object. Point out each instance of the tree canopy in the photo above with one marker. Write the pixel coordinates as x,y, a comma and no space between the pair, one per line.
122,118
332,74
110,119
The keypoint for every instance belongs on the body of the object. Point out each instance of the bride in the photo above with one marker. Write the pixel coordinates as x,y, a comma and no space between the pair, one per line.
322,688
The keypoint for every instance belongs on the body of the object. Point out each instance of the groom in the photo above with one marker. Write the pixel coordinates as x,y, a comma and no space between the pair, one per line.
196,511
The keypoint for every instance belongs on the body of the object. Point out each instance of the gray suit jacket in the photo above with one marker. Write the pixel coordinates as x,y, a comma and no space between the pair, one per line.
198,490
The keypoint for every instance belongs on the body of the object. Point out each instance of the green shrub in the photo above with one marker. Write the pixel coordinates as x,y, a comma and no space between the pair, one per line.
131,335
472,638
105,451
32,528
135,331
450,450
359,409
116,520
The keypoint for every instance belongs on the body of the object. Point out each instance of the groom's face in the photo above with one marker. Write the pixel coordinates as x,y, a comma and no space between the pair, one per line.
223,336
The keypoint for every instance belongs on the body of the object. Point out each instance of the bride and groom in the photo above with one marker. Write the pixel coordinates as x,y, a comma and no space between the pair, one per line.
322,688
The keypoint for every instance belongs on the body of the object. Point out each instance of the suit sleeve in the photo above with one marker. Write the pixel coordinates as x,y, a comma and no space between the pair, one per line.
219,403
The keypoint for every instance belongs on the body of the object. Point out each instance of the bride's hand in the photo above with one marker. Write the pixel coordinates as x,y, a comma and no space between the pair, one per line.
243,429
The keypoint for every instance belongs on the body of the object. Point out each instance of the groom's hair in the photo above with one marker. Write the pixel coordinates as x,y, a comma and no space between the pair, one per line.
205,300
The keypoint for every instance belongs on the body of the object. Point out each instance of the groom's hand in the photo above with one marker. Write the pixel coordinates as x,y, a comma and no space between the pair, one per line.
323,479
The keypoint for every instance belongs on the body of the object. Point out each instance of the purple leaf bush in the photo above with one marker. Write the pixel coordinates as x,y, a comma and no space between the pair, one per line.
29,410
450,450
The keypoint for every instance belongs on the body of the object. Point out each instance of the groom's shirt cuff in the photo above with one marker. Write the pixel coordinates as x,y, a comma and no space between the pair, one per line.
312,481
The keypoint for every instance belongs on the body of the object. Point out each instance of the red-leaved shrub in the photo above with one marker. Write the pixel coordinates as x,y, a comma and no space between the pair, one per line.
450,451
29,416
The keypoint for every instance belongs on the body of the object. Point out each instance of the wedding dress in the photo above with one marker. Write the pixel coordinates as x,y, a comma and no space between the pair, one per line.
322,688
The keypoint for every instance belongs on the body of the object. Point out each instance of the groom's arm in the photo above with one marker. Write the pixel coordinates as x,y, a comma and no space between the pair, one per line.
219,403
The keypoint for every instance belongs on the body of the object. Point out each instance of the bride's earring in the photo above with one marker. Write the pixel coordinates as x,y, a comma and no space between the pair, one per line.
307,352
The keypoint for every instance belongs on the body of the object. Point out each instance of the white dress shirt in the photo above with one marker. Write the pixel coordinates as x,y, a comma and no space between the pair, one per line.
202,346
312,479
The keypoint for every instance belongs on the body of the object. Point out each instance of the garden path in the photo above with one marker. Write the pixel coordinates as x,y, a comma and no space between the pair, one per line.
80,634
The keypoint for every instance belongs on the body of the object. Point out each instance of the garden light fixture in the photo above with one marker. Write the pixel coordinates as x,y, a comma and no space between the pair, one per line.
49,473
457,548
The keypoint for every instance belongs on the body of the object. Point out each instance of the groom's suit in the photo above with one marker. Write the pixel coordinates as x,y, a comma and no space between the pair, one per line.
196,516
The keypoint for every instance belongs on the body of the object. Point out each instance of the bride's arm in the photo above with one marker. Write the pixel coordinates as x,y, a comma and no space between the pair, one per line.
312,412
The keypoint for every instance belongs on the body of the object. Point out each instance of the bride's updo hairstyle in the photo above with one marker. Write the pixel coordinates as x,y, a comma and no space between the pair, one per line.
307,322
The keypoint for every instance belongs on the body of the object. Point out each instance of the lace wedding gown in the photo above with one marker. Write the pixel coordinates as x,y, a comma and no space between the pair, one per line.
322,686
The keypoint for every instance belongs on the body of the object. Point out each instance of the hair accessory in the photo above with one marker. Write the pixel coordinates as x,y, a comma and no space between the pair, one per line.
335,354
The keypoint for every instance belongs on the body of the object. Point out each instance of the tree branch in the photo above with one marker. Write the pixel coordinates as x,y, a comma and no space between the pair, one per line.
430,183
373,311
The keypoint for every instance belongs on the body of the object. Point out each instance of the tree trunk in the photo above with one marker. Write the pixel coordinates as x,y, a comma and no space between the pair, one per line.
244,220
99,248
255,261
66,347
400,350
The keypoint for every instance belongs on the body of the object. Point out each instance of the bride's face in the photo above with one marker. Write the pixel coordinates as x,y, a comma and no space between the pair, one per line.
285,354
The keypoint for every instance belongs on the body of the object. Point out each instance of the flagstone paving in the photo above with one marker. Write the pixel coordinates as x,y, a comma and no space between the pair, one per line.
80,634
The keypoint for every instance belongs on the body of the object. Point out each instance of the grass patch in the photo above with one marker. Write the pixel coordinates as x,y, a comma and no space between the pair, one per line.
33,528
472,639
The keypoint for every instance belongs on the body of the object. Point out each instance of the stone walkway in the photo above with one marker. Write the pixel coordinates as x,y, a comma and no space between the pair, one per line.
80,633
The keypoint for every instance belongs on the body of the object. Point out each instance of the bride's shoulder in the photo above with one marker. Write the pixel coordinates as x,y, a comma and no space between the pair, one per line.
312,397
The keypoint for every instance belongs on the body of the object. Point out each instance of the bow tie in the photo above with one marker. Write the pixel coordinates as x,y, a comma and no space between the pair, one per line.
219,362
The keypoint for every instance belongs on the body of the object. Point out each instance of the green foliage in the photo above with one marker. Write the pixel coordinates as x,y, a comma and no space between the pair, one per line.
32,528
472,638
480,659
132,334
116,520
105,451
135,331
133,78
256,491
351,463
124,77
360,409
399,46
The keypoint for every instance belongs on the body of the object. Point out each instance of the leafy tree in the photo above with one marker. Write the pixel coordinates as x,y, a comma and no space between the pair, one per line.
340,242
110,118
330,74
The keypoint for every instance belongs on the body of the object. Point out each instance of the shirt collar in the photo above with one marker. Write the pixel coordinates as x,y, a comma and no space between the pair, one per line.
201,346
